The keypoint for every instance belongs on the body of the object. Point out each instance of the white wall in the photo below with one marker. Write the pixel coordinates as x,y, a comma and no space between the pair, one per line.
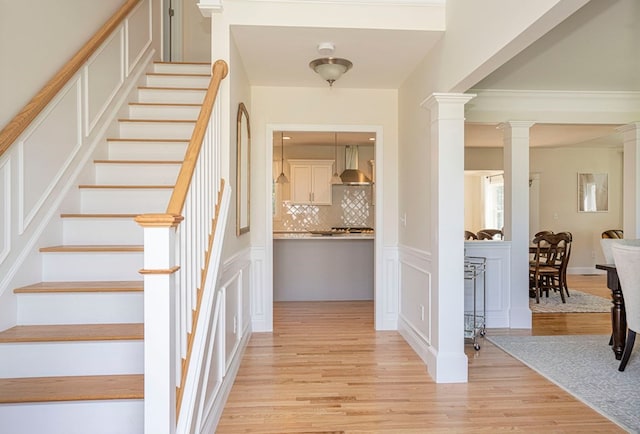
26,62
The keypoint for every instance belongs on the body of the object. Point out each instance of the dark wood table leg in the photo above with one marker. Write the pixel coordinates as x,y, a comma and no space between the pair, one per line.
618,314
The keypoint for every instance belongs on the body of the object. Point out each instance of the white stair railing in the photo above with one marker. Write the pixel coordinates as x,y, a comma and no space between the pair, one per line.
182,249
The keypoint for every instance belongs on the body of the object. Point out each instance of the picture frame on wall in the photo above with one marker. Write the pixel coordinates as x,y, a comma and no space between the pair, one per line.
593,192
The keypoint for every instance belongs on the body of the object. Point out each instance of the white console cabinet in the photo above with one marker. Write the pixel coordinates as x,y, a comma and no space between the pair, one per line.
311,181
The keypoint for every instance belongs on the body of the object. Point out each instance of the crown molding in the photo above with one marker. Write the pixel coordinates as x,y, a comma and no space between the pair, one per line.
210,7
547,106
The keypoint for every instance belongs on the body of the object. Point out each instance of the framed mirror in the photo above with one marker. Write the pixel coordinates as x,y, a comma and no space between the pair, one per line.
243,167
593,192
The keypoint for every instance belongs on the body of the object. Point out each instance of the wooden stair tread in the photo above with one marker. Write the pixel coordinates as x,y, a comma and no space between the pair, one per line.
137,161
91,216
89,286
171,88
159,62
115,186
177,74
72,333
124,139
158,121
165,104
93,248
80,388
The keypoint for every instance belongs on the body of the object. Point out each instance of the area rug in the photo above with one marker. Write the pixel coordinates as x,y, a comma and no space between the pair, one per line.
578,302
584,366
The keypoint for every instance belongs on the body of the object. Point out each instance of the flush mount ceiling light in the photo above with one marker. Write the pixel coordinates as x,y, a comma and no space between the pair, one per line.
329,68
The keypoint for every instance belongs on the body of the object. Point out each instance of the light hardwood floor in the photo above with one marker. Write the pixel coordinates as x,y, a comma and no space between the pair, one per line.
325,370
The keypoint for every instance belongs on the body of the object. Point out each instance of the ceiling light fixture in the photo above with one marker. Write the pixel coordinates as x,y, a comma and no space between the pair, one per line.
329,68
282,179
335,179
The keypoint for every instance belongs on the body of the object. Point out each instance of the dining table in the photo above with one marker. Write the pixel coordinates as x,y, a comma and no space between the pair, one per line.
618,313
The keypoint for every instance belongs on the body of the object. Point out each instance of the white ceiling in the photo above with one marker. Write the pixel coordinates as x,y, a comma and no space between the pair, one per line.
324,138
280,56
597,48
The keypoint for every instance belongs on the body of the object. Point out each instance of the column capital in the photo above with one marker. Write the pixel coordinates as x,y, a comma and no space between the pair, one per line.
516,124
209,7
436,99
631,127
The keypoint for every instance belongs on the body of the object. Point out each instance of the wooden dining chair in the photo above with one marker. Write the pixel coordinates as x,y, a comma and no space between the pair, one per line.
613,233
490,234
551,260
468,235
627,260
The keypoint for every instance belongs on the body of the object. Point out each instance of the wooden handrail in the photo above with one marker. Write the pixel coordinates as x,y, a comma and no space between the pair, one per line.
179,195
33,108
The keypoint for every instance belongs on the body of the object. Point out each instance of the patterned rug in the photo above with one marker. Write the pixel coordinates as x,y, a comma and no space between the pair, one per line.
578,302
585,367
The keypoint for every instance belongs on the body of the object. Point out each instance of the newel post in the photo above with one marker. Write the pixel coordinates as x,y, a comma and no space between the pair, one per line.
159,274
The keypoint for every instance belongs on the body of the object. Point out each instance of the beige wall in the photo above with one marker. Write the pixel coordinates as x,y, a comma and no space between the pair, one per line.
37,40
557,169
196,33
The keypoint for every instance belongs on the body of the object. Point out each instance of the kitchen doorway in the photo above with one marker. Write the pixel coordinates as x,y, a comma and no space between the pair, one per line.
385,304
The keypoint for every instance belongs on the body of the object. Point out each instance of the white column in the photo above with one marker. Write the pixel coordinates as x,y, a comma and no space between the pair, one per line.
516,217
631,181
447,226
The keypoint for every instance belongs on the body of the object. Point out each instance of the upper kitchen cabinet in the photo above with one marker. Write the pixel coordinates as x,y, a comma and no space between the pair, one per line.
311,181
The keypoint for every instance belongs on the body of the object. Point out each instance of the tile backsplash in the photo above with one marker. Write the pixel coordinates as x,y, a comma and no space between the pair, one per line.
352,206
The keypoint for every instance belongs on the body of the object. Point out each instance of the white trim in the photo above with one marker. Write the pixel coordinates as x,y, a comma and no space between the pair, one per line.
548,106
5,174
129,67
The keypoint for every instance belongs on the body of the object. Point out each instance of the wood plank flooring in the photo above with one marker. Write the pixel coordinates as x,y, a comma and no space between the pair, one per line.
325,370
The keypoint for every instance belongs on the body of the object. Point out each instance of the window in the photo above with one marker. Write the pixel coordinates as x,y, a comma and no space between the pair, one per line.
494,201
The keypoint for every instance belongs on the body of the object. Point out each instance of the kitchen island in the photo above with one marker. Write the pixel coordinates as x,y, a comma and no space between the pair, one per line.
309,267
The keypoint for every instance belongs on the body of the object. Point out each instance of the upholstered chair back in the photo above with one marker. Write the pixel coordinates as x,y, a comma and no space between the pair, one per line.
627,260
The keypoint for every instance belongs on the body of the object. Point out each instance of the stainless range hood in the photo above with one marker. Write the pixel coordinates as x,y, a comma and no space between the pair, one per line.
352,175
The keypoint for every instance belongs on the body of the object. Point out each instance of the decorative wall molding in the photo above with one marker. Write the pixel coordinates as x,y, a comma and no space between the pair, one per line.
415,280
495,106
5,208
259,299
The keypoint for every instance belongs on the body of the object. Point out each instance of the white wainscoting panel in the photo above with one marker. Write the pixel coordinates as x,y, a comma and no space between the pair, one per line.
260,302
498,276
390,291
55,138
416,292
139,28
104,74
5,208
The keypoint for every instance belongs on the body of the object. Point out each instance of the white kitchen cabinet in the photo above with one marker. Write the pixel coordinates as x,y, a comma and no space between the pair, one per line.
311,181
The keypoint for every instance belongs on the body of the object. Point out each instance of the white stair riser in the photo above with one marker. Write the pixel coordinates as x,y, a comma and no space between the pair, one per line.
110,231
52,359
136,174
82,266
156,130
156,151
171,96
176,112
182,68
74,417
80,308
184,81
126,200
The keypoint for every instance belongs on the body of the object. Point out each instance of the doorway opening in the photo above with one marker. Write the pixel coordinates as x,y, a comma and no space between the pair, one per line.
292,213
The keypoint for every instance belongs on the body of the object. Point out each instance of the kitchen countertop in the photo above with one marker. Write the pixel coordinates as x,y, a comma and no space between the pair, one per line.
310,236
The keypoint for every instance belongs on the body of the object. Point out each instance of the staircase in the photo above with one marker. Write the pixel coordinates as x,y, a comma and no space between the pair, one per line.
74,362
